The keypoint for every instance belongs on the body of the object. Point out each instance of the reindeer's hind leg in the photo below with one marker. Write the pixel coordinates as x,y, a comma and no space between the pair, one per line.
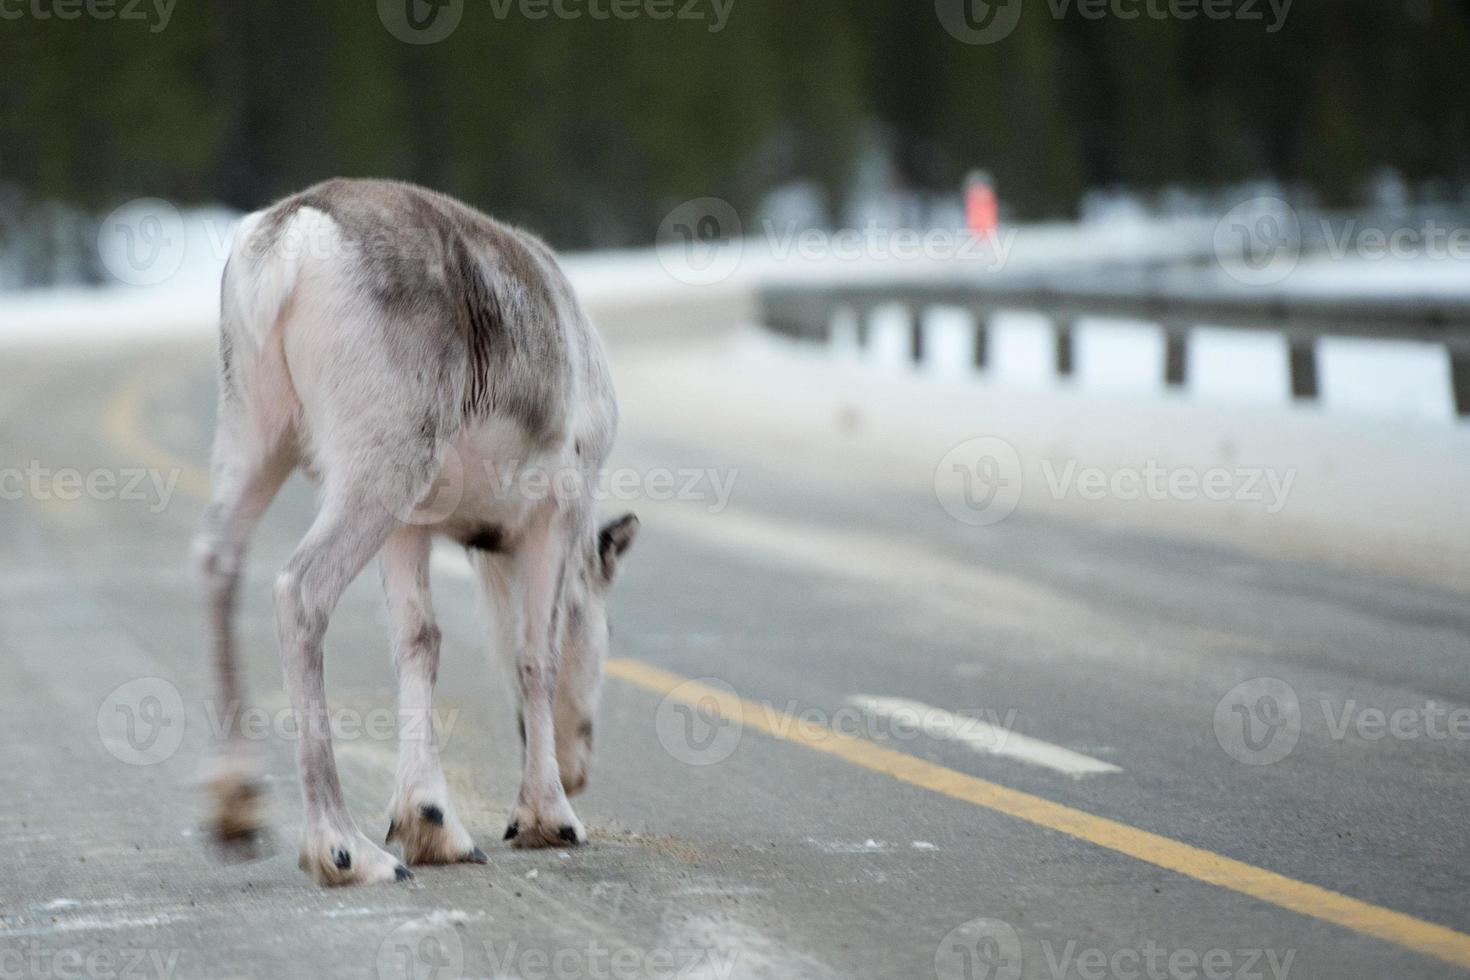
359,513
253,455
420,815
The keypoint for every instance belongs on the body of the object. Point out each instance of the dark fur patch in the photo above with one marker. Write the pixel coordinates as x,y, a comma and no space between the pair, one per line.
491,296
584,730
489,538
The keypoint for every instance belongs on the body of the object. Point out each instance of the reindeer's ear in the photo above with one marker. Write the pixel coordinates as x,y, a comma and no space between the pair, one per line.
612,541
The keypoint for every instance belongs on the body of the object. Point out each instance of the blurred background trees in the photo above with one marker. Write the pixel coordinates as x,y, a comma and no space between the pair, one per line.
591,130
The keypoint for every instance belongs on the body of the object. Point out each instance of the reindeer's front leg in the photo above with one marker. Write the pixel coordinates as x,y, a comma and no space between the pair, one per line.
542,815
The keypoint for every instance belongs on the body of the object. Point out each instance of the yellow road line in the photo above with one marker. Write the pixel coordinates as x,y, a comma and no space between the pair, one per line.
123,418
1193,862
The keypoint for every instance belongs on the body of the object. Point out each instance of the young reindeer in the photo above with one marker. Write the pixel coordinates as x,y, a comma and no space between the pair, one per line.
433,370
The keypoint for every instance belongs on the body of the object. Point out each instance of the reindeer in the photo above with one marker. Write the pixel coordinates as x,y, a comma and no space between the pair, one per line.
419,360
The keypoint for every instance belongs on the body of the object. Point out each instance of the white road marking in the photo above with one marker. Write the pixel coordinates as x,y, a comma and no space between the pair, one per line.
982,736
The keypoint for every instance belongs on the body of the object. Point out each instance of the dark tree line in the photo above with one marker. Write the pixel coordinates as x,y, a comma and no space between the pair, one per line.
591,130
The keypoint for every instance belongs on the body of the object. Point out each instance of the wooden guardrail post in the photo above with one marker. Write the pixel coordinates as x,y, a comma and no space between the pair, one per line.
1302,358
863,317
916,332
1176,353
1460,380
1065,354
982,339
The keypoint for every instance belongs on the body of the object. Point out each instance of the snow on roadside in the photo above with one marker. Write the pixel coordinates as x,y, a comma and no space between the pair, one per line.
1359,377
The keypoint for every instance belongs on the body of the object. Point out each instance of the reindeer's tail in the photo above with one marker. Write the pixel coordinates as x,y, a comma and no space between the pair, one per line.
269,249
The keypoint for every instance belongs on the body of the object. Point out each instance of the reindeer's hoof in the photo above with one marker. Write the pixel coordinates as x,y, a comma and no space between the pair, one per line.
401,873
431,835
353,861
476,856
237,831
560,828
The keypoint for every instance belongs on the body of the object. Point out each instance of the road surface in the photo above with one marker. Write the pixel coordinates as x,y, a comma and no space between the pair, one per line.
845,736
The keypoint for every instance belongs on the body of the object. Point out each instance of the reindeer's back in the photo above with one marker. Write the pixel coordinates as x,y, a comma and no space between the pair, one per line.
435,288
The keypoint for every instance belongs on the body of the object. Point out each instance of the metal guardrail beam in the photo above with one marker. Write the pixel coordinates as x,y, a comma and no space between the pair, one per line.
807,311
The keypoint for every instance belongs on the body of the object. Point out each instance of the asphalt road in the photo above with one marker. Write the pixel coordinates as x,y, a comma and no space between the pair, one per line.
912,749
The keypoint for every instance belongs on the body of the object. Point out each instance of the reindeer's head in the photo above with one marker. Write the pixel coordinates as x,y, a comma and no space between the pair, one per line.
584,652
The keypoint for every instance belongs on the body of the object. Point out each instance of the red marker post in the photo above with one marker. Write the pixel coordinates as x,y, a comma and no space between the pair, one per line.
982,211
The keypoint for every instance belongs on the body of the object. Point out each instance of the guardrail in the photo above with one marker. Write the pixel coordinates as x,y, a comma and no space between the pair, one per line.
806,311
